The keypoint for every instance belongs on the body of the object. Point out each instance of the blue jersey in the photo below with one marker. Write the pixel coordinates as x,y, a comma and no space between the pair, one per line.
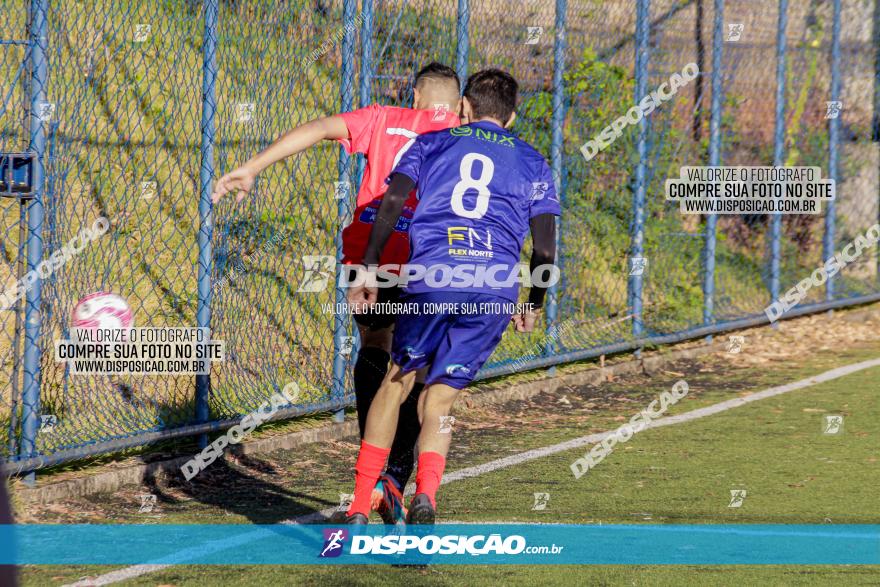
478,185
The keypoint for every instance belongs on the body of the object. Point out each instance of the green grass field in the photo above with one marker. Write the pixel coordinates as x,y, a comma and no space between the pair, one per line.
774,448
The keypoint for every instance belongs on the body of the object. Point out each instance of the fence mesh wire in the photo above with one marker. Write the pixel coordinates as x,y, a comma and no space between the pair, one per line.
14,107
125,140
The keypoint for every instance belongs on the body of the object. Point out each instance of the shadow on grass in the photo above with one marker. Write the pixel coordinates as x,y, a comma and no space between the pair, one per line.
232,489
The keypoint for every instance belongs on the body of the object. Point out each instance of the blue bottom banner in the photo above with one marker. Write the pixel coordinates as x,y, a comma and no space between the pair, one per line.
521,544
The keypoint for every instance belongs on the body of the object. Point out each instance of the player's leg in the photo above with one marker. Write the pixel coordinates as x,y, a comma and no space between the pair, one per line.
370,368
401,461
469,341
376,329
385,409
378,437
387,498
434,441
369,372
415,338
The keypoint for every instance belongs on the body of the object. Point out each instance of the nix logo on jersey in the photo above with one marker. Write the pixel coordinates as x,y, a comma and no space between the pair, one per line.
483,135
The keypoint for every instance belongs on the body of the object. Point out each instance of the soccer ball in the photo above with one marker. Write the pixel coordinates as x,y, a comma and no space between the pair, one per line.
102,310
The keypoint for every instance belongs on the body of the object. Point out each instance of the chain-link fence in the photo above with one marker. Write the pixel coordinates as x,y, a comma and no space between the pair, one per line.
132,109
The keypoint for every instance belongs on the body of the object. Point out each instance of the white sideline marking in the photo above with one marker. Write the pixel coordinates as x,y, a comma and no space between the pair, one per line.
477,470
665,421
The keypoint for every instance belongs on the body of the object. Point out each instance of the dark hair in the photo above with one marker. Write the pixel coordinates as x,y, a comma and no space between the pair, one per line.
492,92
437,71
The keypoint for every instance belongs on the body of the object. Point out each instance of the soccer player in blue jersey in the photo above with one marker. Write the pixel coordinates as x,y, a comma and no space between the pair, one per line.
480,189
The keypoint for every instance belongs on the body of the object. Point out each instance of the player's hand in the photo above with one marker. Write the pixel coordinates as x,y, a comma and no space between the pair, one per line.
361,297
525,321
239,180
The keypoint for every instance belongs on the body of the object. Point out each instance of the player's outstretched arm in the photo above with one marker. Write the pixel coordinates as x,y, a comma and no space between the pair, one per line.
241,180
543,228
389,212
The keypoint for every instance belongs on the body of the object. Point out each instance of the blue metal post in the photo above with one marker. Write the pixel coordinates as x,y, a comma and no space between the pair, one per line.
340,324
778,148
206,217
714,161
366,83
557,159
637,247
365,97
30,412
876,121
833,145
461,49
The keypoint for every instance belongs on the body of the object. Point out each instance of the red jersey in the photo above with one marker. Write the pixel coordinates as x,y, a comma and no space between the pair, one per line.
383,134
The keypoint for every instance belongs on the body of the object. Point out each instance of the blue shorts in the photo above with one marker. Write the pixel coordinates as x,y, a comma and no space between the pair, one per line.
454,342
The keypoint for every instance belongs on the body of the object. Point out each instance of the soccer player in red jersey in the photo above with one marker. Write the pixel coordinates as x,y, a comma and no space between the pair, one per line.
383,134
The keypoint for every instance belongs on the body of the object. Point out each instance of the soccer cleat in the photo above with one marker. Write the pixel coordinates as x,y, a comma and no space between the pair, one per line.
338,517
356,520
390,506
377,495
420,510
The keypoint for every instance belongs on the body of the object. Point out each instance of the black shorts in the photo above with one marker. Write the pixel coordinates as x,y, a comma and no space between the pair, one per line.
381,318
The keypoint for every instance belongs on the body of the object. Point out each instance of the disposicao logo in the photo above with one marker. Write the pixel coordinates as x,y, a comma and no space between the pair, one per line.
333,541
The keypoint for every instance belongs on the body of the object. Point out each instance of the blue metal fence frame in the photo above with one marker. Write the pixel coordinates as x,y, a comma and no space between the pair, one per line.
557,160
829,242
206,219
346,103
875,122
778,148
33,301
714,161
462,35
635,282
27,459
